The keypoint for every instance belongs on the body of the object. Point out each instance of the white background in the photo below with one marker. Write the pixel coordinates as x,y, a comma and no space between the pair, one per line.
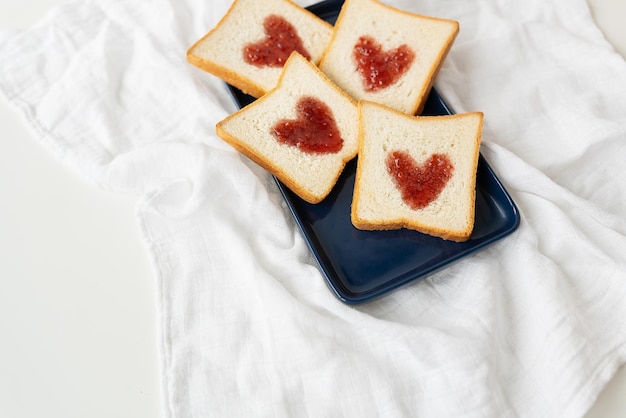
78,313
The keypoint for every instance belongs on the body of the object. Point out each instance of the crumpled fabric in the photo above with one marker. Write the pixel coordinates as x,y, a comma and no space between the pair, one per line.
532,326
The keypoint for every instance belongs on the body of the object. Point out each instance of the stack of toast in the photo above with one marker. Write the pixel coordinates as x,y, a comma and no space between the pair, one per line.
327,94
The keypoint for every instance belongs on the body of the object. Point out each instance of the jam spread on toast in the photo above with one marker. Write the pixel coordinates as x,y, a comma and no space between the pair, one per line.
419,184
281,39
380,69
314,130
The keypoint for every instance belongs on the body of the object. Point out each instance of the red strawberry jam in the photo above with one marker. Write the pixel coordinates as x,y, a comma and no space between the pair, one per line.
314,130
281,39
420,184
380,69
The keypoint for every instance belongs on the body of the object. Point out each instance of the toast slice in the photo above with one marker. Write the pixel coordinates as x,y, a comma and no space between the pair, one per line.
304,131
251,43
386,55
416,172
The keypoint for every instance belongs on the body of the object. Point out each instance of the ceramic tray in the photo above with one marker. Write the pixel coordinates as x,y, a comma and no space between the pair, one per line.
363,265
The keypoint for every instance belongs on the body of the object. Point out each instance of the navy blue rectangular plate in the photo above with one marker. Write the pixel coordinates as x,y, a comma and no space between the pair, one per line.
360,266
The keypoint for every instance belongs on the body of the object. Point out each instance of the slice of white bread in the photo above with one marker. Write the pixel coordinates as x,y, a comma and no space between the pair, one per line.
222,51
252,130
378,203
427,39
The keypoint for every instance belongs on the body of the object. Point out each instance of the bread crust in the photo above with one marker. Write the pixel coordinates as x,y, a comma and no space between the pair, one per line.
270,167
233,78
393,223
419,104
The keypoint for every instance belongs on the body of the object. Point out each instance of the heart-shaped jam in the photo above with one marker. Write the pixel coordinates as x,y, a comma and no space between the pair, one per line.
380,69
314,130
419,184
281,39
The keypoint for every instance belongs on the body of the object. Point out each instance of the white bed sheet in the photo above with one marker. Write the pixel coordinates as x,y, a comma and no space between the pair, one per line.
77,292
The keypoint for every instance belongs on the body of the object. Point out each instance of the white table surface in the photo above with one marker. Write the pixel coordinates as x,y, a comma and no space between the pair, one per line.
77,296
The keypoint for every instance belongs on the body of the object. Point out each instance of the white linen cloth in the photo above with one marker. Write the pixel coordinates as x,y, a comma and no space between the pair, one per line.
532,326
